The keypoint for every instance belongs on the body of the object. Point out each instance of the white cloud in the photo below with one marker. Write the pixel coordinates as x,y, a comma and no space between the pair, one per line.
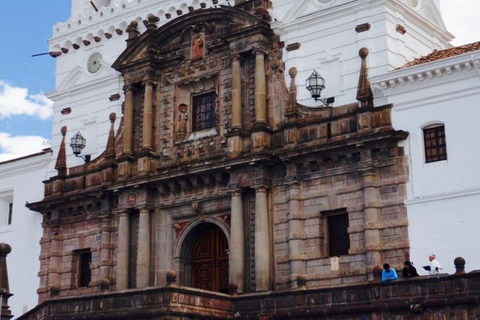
18,146
15,101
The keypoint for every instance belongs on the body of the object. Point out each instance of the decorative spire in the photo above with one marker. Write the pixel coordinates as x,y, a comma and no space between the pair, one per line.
364,91
110,149
61,164
292,95
5,313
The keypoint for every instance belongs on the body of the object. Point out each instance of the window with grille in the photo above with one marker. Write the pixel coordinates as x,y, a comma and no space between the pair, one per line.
204,113
84,272
338,238
435,144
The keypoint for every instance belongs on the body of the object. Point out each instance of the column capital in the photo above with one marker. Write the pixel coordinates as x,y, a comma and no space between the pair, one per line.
127,88
145,210
149,82
237,56
260,51
261,188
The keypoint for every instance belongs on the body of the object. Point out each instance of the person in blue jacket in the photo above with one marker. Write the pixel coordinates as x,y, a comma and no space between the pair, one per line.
388,274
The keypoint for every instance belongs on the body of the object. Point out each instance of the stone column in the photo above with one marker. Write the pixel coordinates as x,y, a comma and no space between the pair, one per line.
236,93
105,249
260,88
128,121
123,252
237,247
262,243
143,251
296,244
147,115
372,217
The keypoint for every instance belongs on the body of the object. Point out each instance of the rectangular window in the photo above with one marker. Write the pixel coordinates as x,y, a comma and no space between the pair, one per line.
10,213
6,208
204,113
337,234
435,144
84,271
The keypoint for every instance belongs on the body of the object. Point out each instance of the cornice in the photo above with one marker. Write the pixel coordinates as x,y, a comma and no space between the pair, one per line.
116,15
427,75
84,87
24,165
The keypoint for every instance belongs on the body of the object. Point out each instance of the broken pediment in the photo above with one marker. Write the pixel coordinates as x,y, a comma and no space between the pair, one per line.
192,36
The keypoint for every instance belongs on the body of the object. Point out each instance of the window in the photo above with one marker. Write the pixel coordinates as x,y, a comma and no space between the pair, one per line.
435,144
84,274
6,208
204,115
10,212
337,233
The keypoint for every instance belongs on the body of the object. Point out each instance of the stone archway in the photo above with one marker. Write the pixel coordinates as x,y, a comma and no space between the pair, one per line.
204,261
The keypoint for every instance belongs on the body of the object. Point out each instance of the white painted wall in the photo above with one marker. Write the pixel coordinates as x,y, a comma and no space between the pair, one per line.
21,181
443,196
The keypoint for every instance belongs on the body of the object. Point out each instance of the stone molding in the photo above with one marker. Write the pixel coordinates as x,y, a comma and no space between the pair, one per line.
428,75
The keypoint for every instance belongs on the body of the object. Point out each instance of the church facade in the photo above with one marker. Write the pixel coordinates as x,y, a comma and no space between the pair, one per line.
220,191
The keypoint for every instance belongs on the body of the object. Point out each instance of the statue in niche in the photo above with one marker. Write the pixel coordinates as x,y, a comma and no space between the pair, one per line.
198,48
182,121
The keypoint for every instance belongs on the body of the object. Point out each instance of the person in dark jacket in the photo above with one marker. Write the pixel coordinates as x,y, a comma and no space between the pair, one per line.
409,270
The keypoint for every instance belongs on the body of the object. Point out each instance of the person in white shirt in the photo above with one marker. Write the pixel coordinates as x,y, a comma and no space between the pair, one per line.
435,266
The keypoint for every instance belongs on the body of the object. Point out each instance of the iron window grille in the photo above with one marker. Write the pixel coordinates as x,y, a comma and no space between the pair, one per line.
338,237
435,144
204,111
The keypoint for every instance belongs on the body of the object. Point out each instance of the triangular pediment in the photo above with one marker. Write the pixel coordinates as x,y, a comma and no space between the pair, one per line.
432,14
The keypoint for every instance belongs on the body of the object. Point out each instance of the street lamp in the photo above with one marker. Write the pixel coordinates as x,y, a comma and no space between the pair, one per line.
315,84
77,143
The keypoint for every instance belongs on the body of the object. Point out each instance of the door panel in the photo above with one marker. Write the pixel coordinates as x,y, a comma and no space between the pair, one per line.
210,261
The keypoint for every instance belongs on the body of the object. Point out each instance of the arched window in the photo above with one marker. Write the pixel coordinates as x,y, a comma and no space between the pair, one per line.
435,143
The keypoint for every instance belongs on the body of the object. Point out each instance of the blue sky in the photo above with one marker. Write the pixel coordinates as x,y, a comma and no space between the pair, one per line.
23,79
26,115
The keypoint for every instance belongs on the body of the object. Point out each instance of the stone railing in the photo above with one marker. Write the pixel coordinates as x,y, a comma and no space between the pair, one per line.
431,297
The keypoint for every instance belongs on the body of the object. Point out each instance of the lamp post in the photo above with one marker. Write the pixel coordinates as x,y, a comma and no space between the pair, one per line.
77,143
315,84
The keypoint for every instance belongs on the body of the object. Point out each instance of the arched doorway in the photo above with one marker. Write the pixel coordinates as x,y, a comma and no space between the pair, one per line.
210,260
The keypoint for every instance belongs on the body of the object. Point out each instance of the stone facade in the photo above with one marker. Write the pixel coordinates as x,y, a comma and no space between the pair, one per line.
247,160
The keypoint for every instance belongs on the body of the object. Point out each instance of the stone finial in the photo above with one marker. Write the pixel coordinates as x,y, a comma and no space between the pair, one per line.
104,284
61,164
233,289
132,31
152,20
377,274
171,278
292,107
5,312
110,149
301,282
364,91
459,265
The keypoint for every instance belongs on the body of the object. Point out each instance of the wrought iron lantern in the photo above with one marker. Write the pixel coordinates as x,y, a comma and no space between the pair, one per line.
77,143
315,84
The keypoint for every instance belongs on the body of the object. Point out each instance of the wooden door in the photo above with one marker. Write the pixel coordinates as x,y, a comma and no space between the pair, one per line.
210,261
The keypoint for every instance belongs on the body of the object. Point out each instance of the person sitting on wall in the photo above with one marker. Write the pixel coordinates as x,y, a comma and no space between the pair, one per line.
409,270
388,274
